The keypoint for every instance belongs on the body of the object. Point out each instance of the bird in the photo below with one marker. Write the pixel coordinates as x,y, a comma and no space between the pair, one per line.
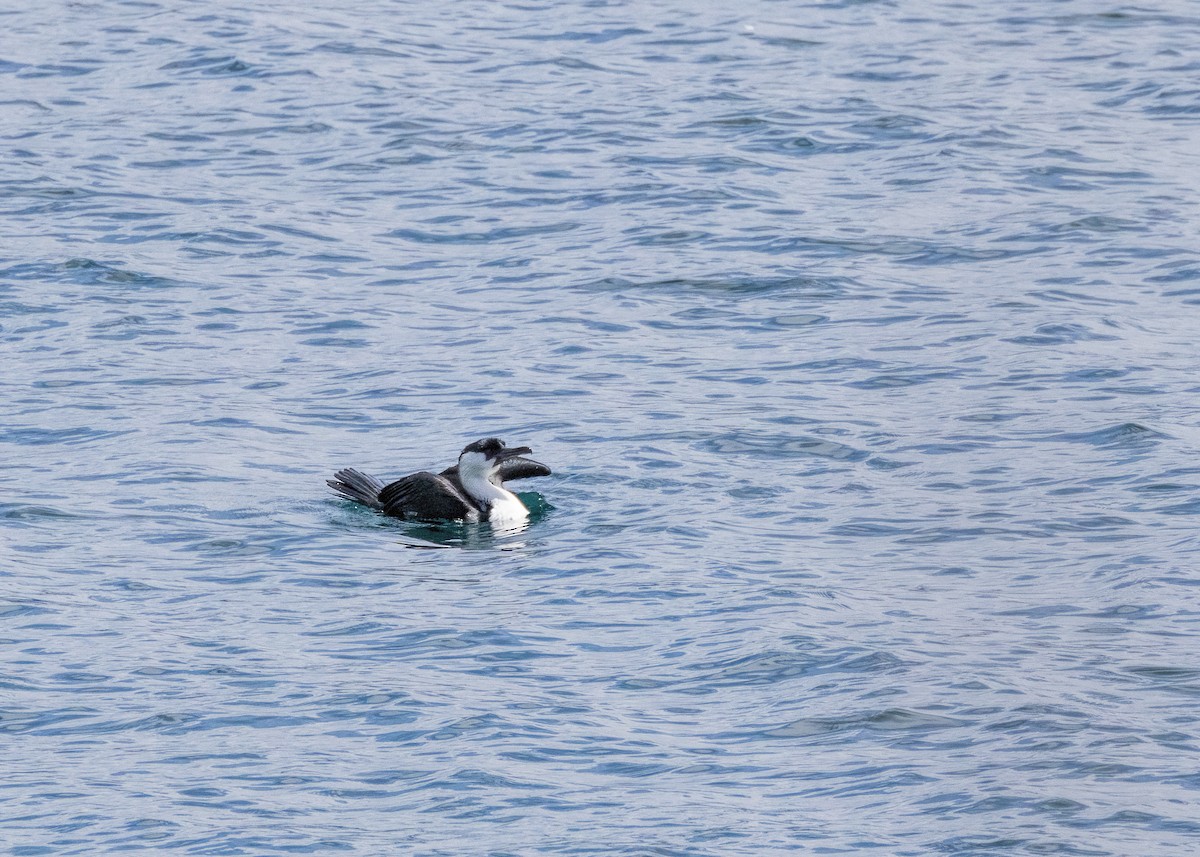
471,490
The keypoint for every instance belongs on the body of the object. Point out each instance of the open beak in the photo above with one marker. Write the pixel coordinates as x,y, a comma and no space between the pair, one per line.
512,452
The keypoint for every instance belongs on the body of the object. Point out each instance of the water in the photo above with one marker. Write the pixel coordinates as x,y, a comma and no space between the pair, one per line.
860,337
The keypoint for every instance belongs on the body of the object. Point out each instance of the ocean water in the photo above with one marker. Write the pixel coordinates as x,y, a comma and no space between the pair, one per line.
860,336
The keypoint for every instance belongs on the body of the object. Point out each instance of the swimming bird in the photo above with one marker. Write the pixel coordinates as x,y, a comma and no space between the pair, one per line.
471,490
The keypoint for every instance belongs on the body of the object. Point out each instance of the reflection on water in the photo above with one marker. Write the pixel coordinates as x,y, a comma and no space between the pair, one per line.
468,536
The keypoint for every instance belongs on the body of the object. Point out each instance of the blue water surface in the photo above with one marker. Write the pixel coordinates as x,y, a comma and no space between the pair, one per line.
861,338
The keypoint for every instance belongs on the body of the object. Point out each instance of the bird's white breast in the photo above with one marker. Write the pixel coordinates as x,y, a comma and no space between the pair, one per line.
509,508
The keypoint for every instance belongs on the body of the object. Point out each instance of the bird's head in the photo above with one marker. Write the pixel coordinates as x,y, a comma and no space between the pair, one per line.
482,459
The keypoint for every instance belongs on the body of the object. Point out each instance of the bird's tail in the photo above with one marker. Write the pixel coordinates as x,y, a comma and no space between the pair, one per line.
356,486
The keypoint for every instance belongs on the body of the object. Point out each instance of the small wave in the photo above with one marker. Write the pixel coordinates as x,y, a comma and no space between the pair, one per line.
1131,435
783,446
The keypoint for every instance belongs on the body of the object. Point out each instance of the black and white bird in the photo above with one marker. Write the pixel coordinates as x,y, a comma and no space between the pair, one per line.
472,490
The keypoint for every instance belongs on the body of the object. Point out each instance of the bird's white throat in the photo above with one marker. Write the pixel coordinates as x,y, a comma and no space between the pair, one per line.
476,474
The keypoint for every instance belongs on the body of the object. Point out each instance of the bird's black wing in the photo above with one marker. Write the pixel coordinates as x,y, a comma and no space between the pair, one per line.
513,468
427,496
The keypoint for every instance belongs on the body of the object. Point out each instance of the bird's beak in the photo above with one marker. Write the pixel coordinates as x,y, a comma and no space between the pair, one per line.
512,452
